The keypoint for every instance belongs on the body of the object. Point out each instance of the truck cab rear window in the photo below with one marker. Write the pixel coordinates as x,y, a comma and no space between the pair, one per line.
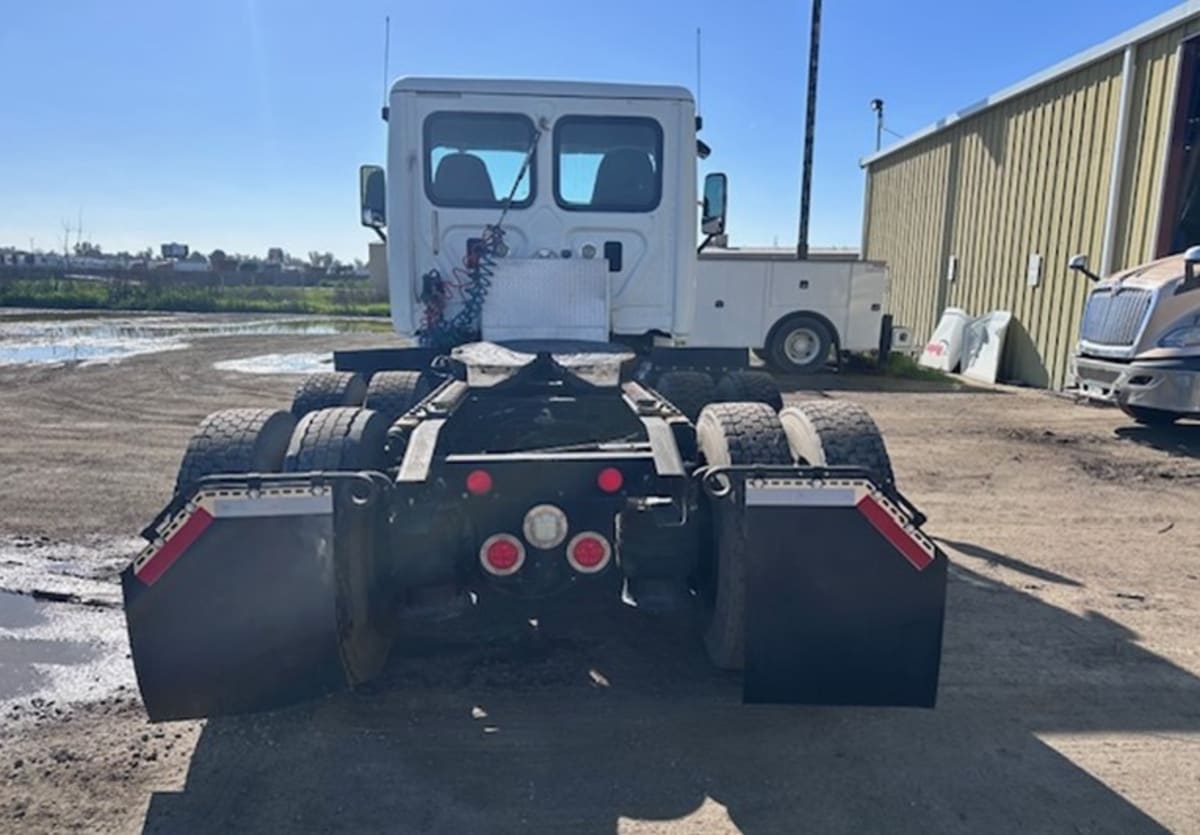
472,160
607,164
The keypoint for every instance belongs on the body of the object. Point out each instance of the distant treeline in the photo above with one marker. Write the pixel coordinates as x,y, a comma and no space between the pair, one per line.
345,297
191,278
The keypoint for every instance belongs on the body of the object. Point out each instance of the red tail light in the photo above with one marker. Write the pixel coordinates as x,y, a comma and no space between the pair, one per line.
502,554
588,552
479,482
610,480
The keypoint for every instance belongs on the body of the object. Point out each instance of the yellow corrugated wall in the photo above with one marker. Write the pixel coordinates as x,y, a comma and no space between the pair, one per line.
1030,175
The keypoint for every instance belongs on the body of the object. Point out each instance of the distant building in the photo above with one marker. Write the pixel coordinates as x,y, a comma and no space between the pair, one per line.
174,250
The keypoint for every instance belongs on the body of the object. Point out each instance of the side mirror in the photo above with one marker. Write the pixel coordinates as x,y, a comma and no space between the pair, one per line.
372,196
1079,264
712,218
1191,257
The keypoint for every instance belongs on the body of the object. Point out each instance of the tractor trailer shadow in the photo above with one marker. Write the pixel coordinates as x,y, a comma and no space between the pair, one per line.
585,734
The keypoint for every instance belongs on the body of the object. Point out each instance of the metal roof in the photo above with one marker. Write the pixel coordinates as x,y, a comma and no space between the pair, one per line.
1154,26
534,87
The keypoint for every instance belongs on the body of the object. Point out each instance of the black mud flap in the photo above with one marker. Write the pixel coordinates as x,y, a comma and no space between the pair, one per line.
252,596
845,597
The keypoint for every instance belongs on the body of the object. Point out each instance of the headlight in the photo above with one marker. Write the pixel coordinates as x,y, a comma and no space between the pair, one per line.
1185,337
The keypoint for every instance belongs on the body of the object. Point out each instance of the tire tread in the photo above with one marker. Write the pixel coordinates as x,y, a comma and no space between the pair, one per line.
327,389
236,441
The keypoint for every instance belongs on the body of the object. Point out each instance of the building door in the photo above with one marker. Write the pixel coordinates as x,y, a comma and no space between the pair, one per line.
1179,223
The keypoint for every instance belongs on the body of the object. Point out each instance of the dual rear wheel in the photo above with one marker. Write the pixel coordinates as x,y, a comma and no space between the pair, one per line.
690,391
816,433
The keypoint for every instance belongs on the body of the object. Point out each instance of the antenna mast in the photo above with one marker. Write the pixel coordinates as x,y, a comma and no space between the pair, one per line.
698,76
810,123
387,45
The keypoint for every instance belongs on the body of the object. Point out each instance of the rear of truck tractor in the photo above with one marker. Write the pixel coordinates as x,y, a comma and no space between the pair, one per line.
300,545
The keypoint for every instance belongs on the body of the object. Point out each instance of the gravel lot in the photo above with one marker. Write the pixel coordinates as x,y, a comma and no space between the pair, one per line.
1069,701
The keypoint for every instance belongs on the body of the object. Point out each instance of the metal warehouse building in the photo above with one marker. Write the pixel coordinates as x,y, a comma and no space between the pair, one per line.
1096,155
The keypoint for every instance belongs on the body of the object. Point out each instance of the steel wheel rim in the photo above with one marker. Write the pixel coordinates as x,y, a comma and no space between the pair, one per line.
801,346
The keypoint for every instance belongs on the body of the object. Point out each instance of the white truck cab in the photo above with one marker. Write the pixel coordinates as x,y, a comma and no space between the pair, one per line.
593,190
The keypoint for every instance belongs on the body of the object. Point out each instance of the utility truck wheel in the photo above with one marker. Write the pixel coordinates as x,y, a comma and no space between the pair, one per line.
733,433
835,433
749,387
799,345
348,438
328,389
688,391
1150,417
236,441
341,438
393,393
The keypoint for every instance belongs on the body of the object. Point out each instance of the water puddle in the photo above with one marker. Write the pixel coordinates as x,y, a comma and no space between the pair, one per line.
302,363
55,652
36,338
62,631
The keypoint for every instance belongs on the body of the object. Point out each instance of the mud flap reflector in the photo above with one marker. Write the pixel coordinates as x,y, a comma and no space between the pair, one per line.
845,598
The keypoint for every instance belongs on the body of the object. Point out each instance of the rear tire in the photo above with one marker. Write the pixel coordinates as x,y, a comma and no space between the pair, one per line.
687,391
328,389
733,433
393,393
236,441
347,438
1147,416
342,438
836,433
750,387
799,345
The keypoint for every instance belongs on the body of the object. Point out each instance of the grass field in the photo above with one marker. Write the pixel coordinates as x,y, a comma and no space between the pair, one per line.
82,294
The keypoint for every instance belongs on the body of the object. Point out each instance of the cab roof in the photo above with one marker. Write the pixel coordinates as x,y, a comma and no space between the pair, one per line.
535,87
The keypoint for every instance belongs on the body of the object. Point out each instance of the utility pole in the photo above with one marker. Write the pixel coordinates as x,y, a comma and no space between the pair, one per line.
810,121
877,106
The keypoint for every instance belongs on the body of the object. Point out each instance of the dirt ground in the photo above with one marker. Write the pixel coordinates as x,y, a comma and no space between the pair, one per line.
1070,697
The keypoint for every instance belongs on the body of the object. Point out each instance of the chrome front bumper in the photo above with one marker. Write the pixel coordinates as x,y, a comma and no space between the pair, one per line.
1169,385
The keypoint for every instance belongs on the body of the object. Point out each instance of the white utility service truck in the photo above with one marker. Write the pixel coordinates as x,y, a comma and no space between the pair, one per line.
577,422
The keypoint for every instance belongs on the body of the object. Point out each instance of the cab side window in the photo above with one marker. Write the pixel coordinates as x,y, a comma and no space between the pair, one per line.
607,163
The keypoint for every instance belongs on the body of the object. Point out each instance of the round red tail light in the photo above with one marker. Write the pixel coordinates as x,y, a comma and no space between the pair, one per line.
610,480
588,552
479,482
502,554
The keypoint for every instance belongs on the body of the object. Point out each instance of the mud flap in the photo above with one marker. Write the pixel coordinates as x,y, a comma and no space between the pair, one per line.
844,596
247,597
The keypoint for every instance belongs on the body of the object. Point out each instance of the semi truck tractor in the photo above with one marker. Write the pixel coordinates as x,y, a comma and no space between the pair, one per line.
1139,341
554,429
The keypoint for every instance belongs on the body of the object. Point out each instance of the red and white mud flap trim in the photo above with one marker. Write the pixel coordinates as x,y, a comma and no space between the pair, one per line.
884,514
179,532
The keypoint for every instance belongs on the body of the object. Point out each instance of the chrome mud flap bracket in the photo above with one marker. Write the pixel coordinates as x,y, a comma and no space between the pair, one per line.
244,598
845,596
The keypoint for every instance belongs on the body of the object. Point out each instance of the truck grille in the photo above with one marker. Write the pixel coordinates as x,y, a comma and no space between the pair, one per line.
1114,318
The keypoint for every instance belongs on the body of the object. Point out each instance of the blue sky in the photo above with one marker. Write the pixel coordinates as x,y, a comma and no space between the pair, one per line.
241,123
